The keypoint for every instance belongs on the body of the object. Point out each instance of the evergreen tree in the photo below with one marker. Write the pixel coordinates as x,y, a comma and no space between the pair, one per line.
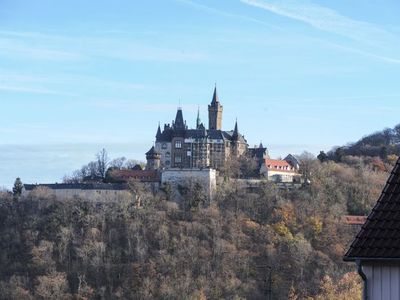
18,186
322,156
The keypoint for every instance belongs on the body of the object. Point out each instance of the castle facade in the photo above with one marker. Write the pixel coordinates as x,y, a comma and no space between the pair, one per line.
177,146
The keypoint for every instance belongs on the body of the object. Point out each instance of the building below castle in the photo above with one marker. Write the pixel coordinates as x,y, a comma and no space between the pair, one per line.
180,147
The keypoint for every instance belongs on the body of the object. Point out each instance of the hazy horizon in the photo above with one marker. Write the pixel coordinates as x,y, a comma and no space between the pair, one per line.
36,163
297,75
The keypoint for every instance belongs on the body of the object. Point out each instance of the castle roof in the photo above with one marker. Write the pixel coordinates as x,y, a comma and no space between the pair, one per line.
77,186
235,134
142,175
215,99
379,237
158,135
179,122
152,152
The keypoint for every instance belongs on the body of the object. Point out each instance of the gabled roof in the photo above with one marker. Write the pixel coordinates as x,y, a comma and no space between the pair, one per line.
379,237
277,162
279,165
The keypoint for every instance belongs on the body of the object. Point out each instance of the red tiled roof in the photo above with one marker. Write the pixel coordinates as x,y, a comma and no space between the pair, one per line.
354,220
142,175
278,165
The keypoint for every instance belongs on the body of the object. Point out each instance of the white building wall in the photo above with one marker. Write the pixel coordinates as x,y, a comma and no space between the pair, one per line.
206,177
276,175
383,281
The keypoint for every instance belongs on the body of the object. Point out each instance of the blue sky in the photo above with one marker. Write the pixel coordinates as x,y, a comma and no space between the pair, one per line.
298,75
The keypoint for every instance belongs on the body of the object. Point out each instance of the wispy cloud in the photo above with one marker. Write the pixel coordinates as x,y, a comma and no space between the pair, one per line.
213,10
43,46
34,46
61,84
322,18
383,58
138,106
372,41
21,89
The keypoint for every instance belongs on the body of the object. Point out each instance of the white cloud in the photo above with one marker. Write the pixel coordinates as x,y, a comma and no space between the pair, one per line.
322,18
137,106
213,10
42,46
30,90
372,41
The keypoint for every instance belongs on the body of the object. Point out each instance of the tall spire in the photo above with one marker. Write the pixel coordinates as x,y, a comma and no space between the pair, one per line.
198,121
235,135
215,99
158,135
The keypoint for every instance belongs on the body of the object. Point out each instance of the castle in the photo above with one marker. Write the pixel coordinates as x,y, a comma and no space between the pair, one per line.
177,146
181,155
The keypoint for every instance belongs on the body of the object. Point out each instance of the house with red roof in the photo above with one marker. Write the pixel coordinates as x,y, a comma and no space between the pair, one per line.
279,170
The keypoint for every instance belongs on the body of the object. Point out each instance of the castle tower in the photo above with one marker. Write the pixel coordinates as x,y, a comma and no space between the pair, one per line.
153,159
215,112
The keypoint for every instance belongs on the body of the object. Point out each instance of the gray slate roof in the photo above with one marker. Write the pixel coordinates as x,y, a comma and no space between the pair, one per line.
78,186
379,237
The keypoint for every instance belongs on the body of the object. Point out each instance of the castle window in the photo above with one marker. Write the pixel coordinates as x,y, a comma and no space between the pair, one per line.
178,144
167,155
164,146
178,159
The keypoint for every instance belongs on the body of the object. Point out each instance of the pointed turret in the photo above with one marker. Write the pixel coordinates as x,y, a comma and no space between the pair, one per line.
215,99
215,112
179,122
153,159
235,135
158,135
198,121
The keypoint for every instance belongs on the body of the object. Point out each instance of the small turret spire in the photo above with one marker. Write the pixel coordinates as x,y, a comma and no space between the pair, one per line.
198,121
158,135
235,135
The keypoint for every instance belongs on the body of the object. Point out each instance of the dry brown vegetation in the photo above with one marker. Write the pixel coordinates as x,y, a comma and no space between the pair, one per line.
240,247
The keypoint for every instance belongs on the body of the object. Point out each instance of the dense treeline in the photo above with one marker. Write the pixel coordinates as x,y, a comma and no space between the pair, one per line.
245,245
381,144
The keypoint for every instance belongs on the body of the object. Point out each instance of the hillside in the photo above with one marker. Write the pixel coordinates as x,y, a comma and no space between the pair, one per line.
381,144
244,246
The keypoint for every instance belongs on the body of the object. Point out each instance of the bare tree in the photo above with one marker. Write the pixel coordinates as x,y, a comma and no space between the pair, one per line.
102,162
117,163
131,163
